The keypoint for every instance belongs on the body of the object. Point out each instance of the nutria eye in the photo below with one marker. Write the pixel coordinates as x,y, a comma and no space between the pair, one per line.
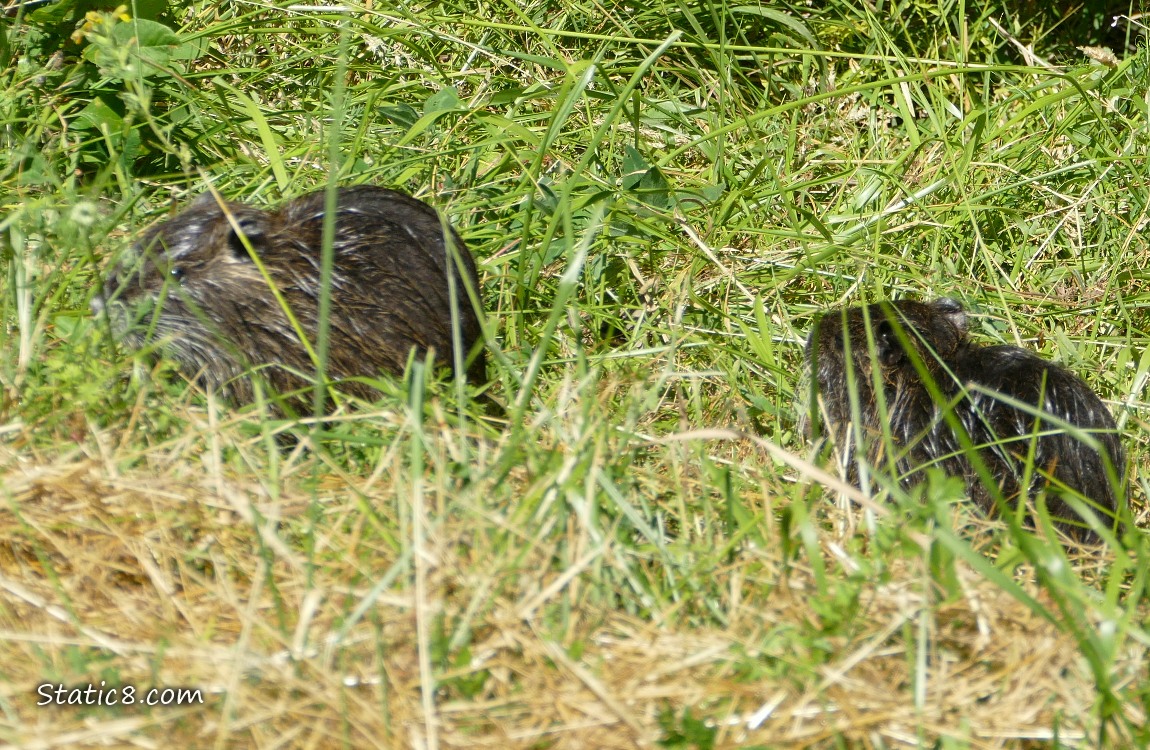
177,274
888,348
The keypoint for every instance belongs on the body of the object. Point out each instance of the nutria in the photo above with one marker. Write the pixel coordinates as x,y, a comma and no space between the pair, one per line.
192,286
934,380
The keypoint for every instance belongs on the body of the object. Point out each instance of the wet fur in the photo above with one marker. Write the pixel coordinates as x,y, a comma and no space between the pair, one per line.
912,344
191,286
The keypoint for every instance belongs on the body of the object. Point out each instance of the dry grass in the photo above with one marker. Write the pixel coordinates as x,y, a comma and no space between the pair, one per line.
194,577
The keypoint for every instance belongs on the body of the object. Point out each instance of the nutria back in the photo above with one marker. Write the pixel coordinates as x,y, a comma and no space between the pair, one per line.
910,369
402,281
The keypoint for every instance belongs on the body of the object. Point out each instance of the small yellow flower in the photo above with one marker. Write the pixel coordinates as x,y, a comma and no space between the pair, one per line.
94,19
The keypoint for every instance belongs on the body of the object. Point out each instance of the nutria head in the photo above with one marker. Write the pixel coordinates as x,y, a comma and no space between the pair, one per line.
902,344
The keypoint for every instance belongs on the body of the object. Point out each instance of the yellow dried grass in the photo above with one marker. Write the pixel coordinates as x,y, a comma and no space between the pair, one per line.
158,578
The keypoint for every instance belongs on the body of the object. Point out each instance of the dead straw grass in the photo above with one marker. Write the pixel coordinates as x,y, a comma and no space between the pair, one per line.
184,578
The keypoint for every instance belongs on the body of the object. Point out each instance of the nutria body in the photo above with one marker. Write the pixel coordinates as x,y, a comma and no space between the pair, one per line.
192,287
968,381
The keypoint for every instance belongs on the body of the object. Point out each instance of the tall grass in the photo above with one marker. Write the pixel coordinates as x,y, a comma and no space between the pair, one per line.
641,548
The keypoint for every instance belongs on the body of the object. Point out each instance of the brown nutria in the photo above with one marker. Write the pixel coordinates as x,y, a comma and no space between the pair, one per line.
933,379
192,286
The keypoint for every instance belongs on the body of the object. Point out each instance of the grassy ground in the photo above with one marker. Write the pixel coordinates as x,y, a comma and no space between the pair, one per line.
643,552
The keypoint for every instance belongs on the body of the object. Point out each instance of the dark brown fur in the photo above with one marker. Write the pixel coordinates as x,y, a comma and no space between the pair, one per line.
192,287
933,335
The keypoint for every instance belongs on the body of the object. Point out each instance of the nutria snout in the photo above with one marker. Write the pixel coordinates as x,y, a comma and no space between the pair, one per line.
935,384
401,280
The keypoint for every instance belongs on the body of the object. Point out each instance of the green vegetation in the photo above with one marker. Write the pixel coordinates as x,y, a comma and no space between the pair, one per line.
642,549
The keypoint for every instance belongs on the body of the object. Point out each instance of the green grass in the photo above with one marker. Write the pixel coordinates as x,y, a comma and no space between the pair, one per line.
644,549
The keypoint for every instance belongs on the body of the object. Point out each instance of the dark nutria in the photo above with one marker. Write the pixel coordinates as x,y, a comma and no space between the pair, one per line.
192,286
932,378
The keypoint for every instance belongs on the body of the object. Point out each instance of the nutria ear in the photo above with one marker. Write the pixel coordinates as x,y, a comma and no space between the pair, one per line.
203,200
252,228
952,311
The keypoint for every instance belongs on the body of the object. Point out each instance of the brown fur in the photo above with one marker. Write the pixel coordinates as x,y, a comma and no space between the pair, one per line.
192,287
913,346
